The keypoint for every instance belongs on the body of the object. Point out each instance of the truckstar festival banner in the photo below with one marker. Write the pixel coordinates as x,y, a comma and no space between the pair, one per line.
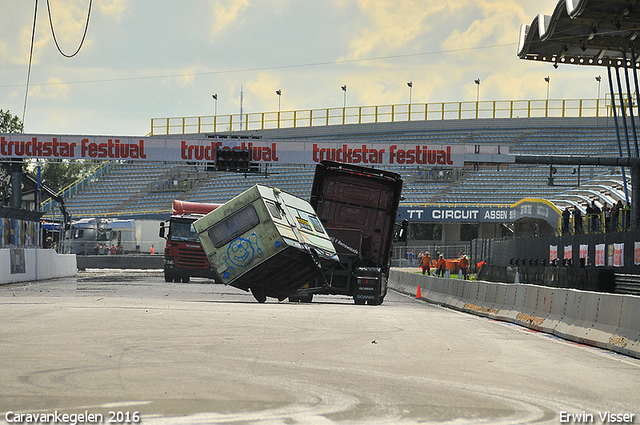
16,145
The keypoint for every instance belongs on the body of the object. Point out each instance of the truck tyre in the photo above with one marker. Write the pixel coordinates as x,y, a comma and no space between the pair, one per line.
306,298
258,294
185,279
177,279
167,277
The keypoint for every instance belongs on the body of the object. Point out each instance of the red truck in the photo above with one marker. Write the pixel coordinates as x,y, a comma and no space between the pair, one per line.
183,254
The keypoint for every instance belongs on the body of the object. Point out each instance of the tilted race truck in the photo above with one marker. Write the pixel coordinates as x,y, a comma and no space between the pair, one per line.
268,242
358,207
183,254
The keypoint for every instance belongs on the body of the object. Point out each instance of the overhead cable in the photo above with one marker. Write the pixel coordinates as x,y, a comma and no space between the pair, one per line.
86,26
33,36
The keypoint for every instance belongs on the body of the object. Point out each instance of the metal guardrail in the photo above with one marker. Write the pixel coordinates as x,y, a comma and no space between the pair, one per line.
382,114
627,284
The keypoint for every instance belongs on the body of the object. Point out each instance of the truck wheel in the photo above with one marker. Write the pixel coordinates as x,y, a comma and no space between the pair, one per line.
176,279
185,279
306,298
258,294
167,277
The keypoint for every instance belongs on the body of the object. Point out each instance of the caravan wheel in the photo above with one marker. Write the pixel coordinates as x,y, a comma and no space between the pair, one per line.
258,294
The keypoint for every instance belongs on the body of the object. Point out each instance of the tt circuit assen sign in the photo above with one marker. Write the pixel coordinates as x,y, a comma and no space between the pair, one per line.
203,150
462,213
456,213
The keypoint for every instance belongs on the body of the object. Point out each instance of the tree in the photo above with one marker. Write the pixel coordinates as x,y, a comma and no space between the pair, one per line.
60,173
10,123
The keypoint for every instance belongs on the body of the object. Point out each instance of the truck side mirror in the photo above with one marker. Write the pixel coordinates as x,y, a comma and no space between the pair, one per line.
402,233
161,234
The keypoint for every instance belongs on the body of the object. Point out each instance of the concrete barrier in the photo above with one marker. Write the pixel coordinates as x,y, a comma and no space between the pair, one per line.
125,261
609,321
627,336
553,302
568,327
587,314
513,301
437,293
27,264
490,303
500,299
529,314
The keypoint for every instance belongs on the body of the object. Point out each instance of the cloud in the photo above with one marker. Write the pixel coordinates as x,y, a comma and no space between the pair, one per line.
498,22
55,88
226,12
396,24
187,78
393,25
262,90
113,7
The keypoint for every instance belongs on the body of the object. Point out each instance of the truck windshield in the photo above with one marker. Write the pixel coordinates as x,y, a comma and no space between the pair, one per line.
183,231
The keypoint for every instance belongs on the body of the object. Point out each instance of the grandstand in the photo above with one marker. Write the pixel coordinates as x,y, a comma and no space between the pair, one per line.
135,188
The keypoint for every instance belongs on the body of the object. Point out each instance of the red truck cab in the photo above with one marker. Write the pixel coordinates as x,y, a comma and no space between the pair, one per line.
183,254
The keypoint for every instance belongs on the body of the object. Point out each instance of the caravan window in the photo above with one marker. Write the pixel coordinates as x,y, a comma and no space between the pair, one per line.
233,226
274,209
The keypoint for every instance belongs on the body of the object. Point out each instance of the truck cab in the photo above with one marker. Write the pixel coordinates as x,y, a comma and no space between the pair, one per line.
183,254
85,233
358,206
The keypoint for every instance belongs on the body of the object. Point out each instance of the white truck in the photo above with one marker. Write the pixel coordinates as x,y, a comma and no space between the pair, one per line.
87,234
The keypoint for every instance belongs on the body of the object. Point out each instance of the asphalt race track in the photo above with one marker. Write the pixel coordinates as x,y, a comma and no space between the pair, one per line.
130,347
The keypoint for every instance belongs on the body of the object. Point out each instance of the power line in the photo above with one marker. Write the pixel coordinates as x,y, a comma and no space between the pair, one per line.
86,26
270,68
33,36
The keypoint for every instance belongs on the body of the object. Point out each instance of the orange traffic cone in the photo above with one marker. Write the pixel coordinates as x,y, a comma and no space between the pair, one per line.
418,293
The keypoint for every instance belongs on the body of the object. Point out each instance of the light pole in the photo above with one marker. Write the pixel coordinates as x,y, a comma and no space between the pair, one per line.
410,84
546,105
477,81
344,100
279,93
599,80
215,110
344,105
548,80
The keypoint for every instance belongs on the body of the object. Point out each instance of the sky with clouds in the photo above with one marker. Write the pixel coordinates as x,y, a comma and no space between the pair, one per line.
146,59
